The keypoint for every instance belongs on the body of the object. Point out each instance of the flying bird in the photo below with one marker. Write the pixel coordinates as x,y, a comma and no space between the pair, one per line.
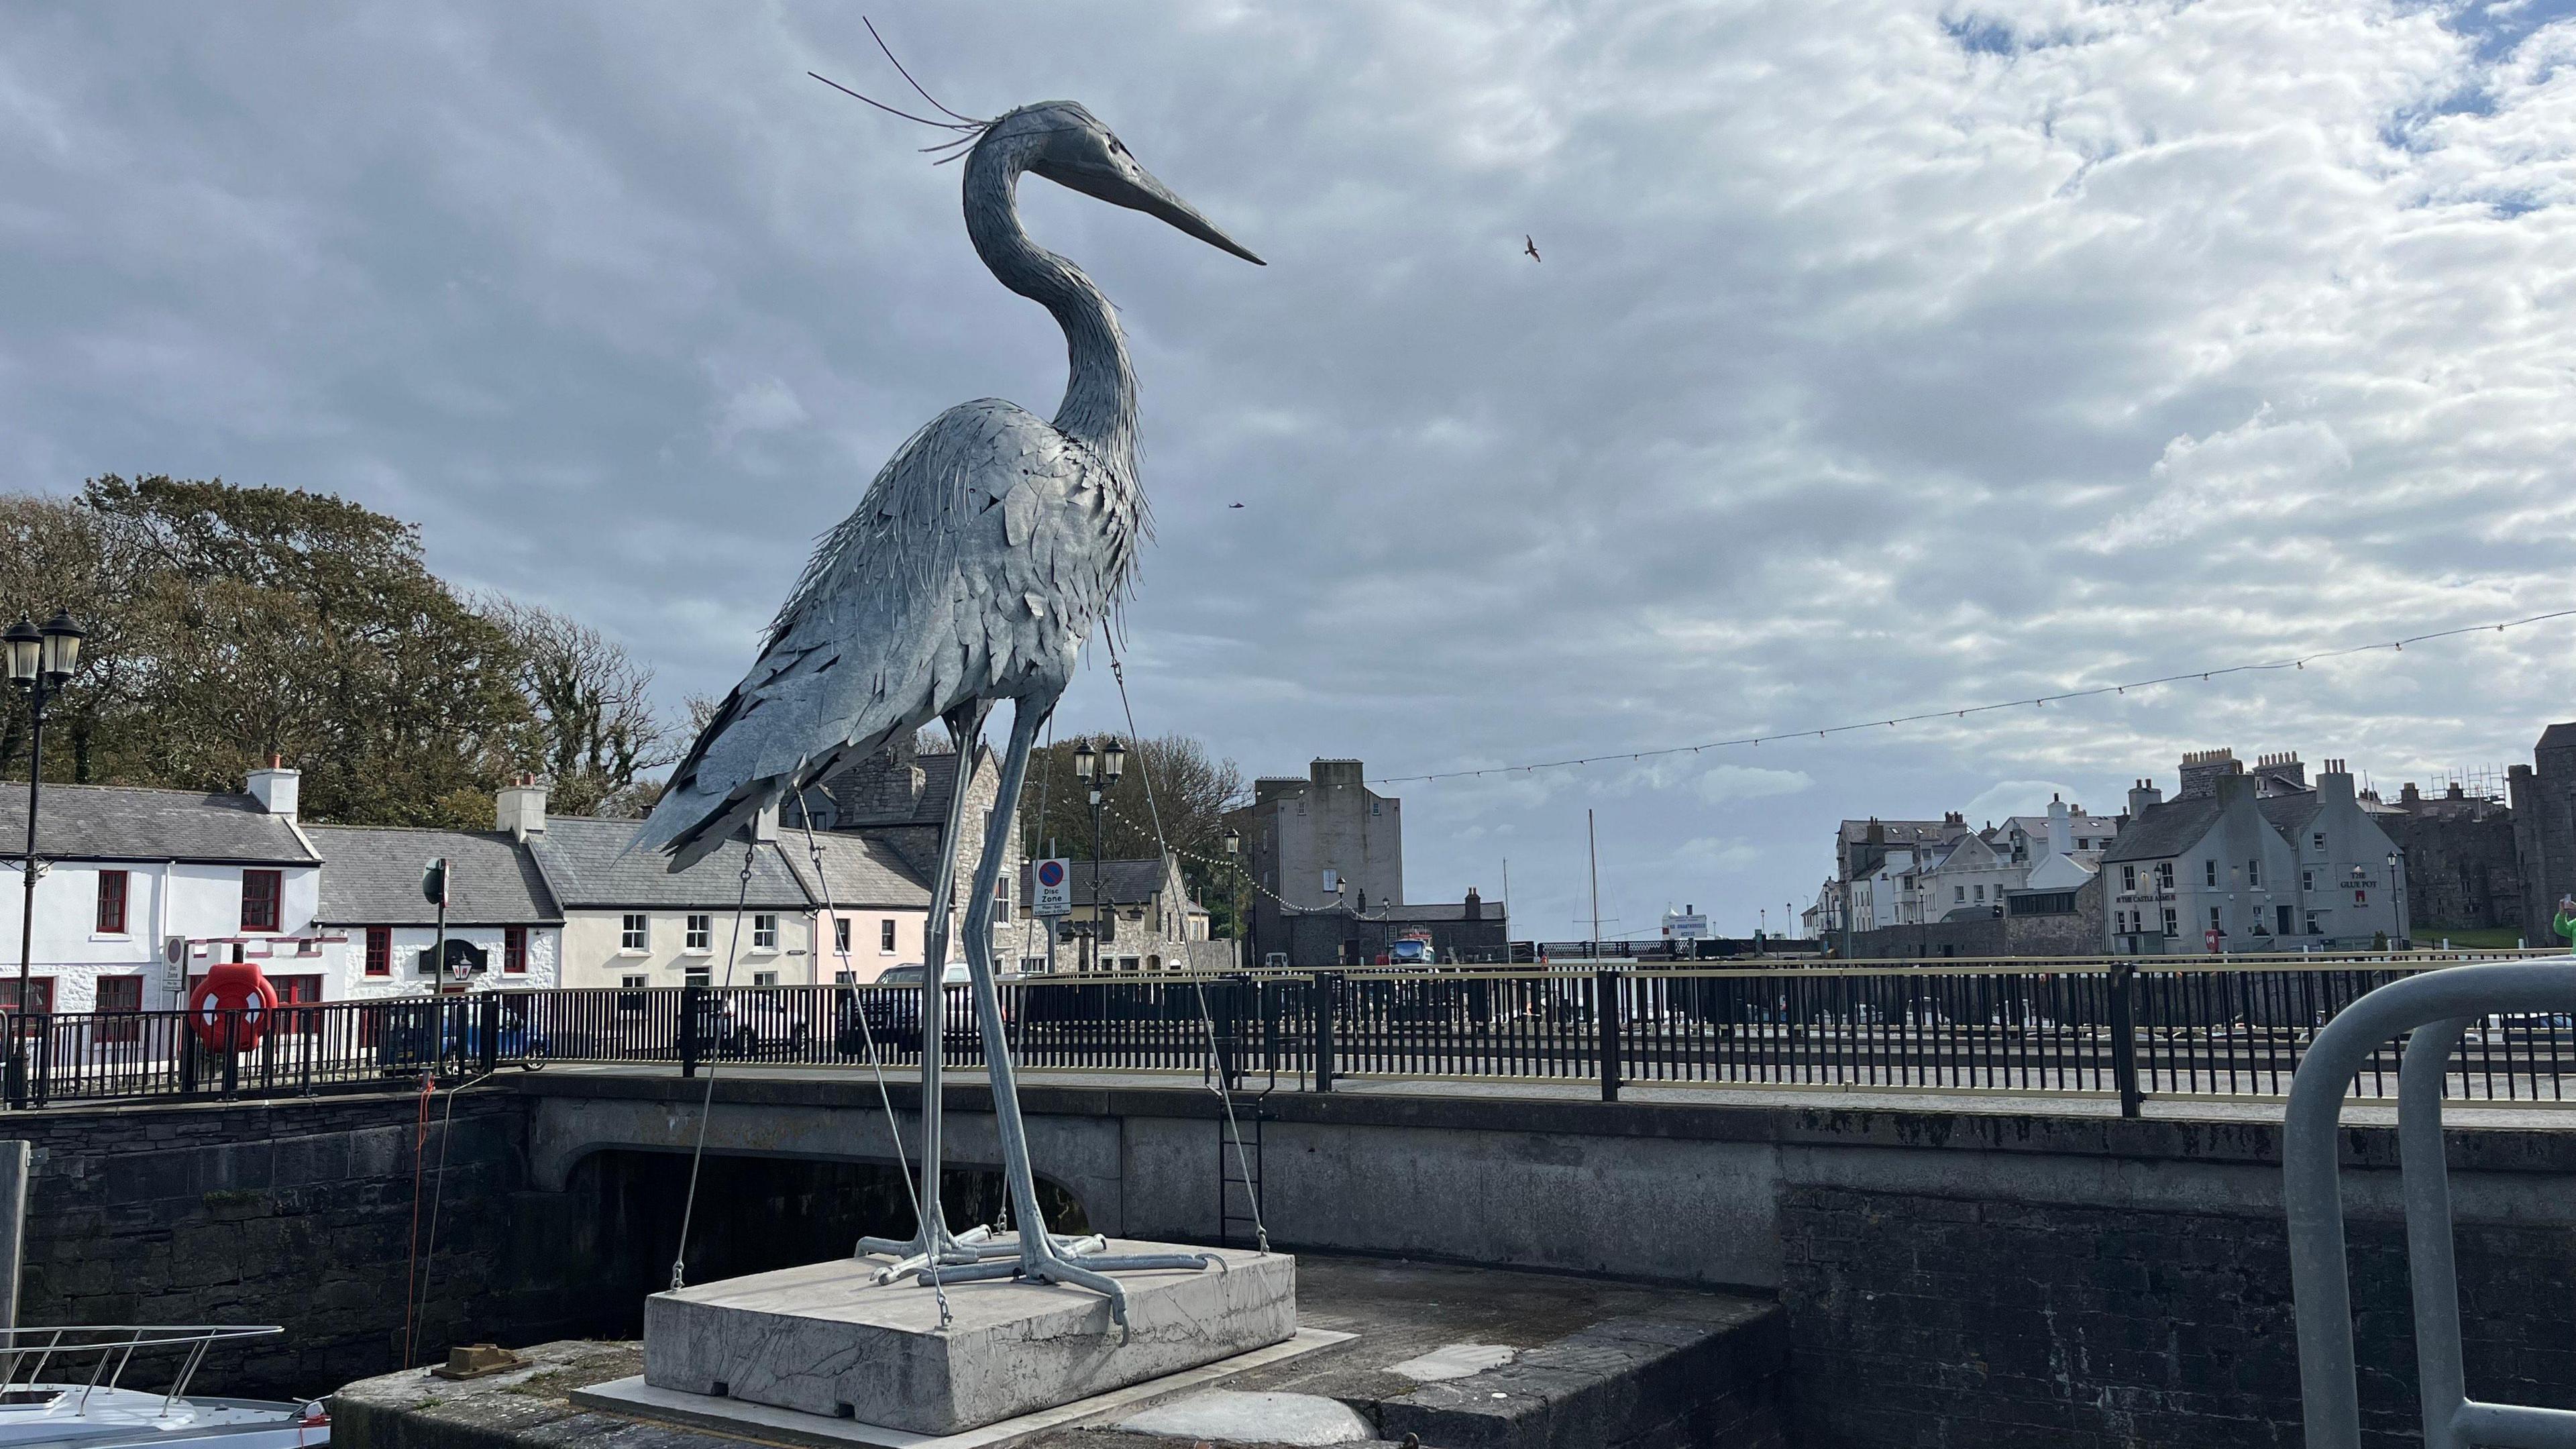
1529,244
1234,505
977,564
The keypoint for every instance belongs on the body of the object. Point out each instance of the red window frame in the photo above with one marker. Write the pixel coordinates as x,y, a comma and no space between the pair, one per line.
263,899
112,886
119,1000
380,950
514,950
39,987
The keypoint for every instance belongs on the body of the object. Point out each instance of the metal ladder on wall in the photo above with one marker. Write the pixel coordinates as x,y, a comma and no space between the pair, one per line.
1234,1195
2431,1011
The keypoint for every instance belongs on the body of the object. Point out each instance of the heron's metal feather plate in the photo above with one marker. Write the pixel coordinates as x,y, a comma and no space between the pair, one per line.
979,560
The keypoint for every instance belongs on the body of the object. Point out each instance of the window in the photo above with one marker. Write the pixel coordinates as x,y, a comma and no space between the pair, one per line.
119,994
260,892
698,975
635,933
1002,898
2170,923
2164,875
2128,877
2315,926
841,935
845,978
1981,894
514,950
700,935
2283,915
40,994
111,902
2307,880
2254,874
634,983
1958,895
2319,841
764,978
764,933
2209,872
885,938
380,950
2213,919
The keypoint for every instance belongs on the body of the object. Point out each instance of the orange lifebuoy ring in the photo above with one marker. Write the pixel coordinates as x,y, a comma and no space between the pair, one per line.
230,1007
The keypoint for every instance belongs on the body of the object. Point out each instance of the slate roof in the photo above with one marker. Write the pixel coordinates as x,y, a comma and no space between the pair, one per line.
2290,814
2165,830
114,822
585,865
371,877
1442,911
1125,882
860,873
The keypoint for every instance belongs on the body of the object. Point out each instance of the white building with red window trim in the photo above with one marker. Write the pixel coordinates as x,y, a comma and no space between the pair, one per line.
130,872
381,930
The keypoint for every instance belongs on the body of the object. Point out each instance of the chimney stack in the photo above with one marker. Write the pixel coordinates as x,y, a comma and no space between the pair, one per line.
2061,827
1475,907
276,787
520,808
2143,794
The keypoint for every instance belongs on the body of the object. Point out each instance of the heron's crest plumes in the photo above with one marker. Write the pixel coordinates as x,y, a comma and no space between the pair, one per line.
972,129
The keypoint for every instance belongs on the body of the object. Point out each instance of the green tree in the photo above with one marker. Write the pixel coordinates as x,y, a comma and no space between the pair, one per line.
1192,789
595,729
259,621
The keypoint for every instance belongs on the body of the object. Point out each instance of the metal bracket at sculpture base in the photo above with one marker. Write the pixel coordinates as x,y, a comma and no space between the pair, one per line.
2436,1008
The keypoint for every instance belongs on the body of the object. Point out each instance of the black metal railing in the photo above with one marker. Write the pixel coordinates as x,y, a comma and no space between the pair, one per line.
2116,1029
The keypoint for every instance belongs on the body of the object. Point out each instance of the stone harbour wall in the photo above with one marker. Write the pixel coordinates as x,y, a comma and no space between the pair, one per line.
1920,1320
294,1213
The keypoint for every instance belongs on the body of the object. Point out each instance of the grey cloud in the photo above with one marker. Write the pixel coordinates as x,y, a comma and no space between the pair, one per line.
1879,362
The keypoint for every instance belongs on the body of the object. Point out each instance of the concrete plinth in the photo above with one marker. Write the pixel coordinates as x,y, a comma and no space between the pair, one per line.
825,1339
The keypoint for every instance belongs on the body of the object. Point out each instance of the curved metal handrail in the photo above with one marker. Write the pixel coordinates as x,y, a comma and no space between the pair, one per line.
2320,1284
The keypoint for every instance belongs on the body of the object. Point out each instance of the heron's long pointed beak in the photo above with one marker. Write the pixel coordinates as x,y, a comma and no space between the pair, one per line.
1153,198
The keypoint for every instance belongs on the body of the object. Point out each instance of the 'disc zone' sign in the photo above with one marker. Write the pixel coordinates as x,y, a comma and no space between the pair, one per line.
1054,894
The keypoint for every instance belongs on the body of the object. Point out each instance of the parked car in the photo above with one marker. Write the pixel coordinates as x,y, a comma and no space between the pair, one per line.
891,1008
750,1022
1411,953
447,1033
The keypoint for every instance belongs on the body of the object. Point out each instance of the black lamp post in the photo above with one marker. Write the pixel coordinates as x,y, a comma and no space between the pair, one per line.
1242,907
1099,772
41,660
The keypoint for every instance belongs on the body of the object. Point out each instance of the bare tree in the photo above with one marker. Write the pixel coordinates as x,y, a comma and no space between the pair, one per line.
596,730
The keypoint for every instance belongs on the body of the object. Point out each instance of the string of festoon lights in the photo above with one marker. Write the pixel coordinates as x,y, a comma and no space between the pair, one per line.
2037,701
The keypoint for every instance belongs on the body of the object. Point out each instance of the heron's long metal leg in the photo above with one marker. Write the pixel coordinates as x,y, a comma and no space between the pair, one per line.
1041,1254
931,1235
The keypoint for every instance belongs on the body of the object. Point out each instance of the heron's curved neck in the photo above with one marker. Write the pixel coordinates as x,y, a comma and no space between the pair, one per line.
1100,392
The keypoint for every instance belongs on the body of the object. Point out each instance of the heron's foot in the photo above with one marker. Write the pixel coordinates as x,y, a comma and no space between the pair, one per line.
917,1252
1071,1246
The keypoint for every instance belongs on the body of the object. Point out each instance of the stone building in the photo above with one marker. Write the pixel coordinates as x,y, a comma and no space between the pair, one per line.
2250,871
1326,860
2463,870
899,798
1127,916
2544,829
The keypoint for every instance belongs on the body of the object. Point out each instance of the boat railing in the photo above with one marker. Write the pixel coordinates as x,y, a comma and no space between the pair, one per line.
108,1349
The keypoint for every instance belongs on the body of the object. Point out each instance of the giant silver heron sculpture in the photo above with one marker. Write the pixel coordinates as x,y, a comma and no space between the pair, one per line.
973,571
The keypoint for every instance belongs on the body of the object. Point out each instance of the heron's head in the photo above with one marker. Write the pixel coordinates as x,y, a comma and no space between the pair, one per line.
1067,145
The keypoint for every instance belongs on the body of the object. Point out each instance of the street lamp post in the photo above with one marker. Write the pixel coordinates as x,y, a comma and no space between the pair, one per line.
1099,772
1242,907
41,661
2396,902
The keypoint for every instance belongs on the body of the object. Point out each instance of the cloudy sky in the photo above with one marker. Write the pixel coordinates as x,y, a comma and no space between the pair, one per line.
1884,357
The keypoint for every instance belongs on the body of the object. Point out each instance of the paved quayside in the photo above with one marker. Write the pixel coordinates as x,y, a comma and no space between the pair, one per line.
1455,1356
